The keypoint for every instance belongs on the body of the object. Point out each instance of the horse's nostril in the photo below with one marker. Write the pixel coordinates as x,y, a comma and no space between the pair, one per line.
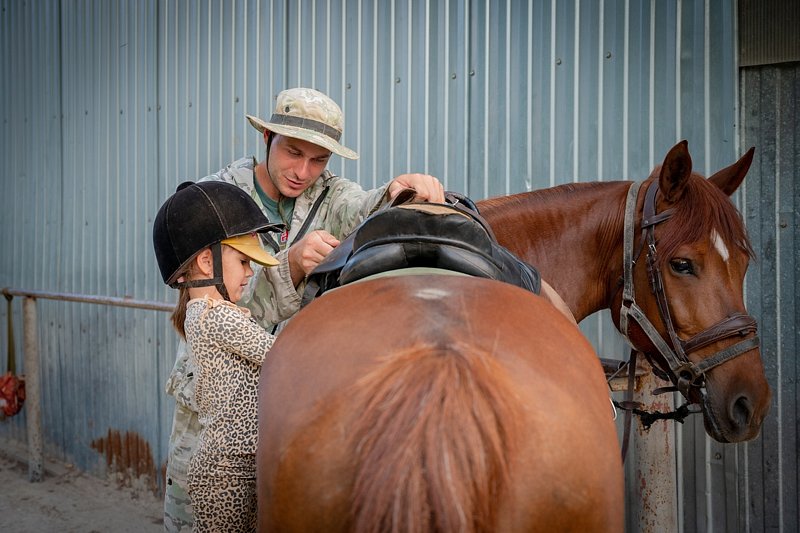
741,411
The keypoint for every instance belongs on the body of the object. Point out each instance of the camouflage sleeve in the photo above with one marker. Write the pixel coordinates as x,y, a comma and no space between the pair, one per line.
350,205
180,383
271,296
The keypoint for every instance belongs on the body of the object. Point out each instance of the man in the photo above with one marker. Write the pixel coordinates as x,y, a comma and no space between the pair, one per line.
291,186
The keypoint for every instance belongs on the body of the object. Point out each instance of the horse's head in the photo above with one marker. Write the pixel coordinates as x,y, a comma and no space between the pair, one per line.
690,254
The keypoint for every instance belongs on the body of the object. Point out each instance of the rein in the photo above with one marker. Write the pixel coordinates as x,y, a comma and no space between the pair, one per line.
683,373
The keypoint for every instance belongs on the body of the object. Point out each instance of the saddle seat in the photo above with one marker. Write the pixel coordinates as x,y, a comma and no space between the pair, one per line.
412,235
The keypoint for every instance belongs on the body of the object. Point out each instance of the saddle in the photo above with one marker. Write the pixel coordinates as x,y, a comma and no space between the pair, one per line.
451,236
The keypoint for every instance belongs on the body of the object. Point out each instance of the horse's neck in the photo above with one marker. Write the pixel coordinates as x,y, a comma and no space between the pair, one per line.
572,233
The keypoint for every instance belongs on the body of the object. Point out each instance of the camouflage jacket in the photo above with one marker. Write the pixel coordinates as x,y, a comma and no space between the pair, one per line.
272,298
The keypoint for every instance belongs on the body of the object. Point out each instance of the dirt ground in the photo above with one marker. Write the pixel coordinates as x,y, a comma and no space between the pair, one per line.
68,500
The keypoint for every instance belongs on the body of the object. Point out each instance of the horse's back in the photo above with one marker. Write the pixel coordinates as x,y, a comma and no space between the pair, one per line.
533,394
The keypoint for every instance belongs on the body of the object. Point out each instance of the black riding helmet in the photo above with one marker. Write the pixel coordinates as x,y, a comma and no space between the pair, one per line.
202,215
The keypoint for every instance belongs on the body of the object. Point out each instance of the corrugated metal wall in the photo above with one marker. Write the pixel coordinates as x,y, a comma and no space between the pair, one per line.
768,32
106,106
770,482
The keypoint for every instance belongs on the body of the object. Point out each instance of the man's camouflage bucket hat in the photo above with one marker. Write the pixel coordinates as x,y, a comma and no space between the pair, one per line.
309,115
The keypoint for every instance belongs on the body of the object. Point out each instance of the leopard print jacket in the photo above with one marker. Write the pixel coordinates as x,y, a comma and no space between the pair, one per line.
228,348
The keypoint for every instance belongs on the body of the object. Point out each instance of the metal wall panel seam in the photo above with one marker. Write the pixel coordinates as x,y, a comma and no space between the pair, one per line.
267,110
486,98
241,125
507,128
444,178
709,501
405,81
737,107
313,41
576,102
747,482
409,99
426,85
678,29
762,119
529,96
374,139
552,108
651,123
778,314
338,167
467,94
625,89
189,81
392,76
328,24
600,85
740,95
232,84
706,88
60,118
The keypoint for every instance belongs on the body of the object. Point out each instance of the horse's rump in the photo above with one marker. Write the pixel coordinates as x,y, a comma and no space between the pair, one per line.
435,403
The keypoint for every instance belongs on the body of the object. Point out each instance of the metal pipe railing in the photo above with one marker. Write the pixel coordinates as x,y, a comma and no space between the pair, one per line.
102,300
33,401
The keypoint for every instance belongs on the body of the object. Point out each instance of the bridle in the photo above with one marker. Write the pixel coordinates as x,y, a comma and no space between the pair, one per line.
683,373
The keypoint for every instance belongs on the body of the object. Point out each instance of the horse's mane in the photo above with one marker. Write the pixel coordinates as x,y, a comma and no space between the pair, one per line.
538,196
432,443
704,208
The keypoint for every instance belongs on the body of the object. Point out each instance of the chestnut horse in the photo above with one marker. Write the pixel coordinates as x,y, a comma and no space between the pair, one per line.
692,248
443,403
427,402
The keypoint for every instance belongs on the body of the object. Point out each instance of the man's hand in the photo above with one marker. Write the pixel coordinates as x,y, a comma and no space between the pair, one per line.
308,252
427,187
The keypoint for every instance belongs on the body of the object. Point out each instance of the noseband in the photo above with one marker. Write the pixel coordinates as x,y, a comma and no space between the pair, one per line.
683,373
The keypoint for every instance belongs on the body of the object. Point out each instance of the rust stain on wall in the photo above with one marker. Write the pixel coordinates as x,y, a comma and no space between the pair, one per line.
128,456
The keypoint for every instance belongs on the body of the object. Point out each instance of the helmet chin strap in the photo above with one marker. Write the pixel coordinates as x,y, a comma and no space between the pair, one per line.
216,253
216,279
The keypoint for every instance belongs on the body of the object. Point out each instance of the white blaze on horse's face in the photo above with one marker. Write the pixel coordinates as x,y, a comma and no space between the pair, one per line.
432,294
719,244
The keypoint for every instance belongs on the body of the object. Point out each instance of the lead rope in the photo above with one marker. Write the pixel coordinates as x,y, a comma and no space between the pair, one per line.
626,431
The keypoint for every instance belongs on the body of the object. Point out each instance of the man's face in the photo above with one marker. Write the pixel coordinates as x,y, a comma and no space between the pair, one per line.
294,165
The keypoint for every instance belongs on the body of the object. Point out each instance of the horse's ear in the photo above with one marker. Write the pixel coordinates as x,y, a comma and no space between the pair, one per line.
729,178
675,172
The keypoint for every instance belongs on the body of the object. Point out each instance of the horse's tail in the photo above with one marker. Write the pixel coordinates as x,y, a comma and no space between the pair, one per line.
432,444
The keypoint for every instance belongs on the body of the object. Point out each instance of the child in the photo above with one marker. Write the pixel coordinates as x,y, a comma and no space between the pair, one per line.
204,238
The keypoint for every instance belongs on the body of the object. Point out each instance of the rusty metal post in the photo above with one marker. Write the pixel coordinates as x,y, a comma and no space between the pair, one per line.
33,401
655,492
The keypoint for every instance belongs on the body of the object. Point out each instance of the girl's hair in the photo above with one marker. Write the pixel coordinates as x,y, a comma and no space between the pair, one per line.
178,316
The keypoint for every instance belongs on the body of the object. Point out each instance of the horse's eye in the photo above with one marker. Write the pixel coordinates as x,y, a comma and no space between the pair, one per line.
681,266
